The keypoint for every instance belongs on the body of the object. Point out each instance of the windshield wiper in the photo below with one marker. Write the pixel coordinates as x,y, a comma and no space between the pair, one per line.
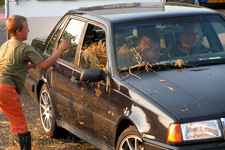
210,62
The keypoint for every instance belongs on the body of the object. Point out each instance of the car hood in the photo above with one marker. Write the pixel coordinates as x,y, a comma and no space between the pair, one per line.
189,94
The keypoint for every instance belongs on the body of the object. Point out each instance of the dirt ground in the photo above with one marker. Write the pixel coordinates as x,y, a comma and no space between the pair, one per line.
9,140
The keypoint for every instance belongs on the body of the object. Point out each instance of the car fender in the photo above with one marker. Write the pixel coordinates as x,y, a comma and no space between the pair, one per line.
41,82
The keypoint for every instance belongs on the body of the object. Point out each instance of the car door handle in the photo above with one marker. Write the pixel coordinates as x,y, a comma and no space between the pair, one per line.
55,66
76,81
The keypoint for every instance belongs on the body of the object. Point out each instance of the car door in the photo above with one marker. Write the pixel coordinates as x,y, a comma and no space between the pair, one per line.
82,105
65,92
93,55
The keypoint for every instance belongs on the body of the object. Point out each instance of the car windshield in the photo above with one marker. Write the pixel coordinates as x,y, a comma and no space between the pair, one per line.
178,41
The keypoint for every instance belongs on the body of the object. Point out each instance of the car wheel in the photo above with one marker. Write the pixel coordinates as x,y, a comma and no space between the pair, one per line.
47,113
130,139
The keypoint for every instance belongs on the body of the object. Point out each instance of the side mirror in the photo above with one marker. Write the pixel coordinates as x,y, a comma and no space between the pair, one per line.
92,75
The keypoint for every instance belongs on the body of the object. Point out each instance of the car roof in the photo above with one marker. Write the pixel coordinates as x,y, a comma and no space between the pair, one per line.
118,13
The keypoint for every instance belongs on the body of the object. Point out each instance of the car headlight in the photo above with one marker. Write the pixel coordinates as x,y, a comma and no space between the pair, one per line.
194,131
200,130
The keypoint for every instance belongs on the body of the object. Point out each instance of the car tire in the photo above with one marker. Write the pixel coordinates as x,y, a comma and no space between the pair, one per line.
47,113
128,138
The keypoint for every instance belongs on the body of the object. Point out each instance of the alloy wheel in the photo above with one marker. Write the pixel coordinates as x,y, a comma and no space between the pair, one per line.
131,142
46,110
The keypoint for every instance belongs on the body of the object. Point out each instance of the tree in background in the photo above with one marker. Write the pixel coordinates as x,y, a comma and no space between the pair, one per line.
2,3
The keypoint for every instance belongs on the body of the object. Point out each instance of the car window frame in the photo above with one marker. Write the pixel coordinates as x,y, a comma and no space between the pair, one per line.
67,19
81,36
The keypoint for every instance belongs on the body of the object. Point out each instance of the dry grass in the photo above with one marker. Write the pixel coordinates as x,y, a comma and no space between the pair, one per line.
95,56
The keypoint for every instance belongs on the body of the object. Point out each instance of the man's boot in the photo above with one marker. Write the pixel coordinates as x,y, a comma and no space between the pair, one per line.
25,141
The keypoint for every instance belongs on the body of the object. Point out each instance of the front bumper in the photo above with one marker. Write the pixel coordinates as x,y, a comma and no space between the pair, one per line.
150,144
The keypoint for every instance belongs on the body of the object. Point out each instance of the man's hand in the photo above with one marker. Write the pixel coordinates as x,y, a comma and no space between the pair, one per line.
64,45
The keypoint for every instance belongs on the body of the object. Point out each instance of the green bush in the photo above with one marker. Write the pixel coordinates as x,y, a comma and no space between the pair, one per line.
2,2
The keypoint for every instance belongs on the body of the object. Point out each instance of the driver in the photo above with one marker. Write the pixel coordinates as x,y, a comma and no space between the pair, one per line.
187,40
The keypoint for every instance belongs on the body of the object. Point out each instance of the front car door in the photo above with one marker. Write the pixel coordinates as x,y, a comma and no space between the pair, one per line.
93,55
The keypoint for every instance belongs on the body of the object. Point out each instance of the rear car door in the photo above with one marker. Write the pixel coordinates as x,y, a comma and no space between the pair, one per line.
65,91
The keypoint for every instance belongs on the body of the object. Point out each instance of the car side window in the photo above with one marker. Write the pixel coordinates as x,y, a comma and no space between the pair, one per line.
220,30
52,44
93,53
72,33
